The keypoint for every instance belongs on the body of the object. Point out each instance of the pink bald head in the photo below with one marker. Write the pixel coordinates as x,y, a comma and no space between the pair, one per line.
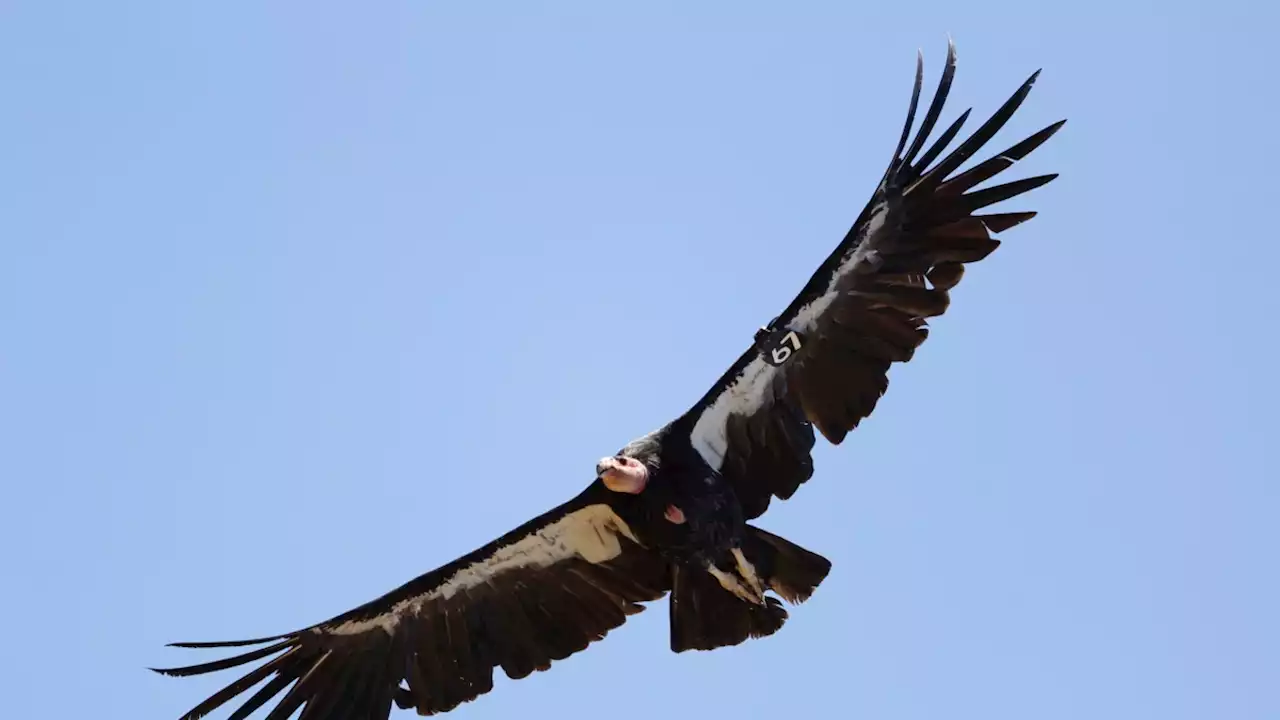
623,474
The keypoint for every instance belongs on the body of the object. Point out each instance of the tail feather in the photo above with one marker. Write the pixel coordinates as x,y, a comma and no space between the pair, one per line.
705,616
786,568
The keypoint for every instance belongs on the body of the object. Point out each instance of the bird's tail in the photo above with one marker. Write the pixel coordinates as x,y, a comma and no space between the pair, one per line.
706,616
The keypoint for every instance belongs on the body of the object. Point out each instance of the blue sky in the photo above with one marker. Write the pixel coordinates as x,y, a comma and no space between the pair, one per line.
298,301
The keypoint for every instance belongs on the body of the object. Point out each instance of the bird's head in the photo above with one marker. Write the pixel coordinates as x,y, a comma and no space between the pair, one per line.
623,474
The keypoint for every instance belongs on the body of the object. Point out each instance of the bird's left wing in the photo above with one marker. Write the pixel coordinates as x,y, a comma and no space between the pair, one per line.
824,361
542,592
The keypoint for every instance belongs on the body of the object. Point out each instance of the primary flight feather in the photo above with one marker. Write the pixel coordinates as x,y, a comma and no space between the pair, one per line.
668,513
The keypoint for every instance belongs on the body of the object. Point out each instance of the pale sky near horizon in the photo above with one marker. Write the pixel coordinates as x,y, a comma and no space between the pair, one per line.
298,301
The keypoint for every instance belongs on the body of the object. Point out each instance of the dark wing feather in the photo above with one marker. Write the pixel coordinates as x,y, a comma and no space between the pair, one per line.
864,308
540,593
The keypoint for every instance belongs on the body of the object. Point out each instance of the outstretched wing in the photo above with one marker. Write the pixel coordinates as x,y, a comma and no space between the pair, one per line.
824,361
542,592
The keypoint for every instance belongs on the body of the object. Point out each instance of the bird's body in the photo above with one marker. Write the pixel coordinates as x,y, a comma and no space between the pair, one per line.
708,526
671,514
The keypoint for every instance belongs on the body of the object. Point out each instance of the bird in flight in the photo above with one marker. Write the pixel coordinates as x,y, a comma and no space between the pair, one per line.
670,513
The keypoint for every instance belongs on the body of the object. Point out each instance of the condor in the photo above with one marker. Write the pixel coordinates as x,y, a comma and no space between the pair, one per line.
669,514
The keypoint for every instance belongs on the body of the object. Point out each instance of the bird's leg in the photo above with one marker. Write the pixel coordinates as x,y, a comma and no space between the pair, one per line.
748,572
733,585
674,515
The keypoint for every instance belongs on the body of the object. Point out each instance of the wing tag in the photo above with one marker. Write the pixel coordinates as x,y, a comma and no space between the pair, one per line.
779,347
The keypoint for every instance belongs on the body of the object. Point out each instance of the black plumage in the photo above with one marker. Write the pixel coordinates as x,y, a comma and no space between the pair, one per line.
554,585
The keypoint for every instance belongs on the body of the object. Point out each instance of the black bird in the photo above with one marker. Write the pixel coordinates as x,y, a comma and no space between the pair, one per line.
669,513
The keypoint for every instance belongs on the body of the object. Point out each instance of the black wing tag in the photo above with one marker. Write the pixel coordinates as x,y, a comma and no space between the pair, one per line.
780,345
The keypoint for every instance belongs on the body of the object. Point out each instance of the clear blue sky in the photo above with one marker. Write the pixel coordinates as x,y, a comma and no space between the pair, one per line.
298,301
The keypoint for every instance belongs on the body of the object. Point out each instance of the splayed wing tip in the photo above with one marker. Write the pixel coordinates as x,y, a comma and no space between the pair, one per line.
911,110
934,112
1000,222
229,643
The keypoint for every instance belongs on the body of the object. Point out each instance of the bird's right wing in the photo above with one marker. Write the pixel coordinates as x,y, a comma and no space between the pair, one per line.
539,593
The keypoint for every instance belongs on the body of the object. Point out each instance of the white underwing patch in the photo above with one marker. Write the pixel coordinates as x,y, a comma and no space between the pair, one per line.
591,533
742,397
748,392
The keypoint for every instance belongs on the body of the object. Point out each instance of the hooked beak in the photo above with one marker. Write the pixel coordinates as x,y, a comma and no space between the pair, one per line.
623,474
